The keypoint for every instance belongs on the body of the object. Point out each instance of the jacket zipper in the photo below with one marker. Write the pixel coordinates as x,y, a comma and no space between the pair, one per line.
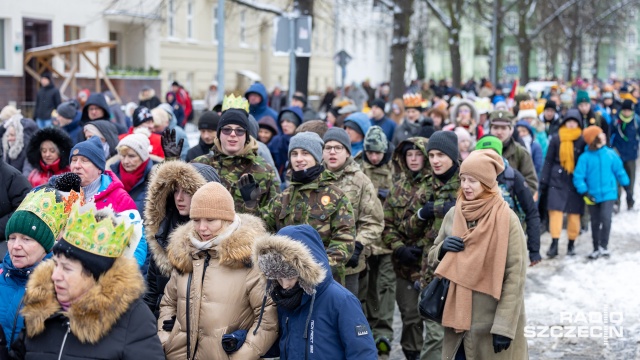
286,339
64,340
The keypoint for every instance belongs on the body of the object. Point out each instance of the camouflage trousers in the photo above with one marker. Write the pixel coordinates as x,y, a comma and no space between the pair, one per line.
412,323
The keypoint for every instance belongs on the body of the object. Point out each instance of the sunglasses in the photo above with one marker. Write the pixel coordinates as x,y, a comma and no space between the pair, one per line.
239,131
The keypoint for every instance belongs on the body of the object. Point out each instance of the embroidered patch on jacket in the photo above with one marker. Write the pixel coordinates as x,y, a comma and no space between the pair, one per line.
362,330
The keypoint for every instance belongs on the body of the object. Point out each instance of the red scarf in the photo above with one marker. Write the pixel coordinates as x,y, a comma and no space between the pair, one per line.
130,179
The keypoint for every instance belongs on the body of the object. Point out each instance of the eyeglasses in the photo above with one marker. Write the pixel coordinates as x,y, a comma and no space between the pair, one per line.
338,149
239,131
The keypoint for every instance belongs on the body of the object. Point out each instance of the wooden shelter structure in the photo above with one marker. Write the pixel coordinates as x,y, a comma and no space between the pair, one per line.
70,53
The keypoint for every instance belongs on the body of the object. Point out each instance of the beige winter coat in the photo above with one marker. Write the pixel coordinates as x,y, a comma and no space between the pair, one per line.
505,317
227,299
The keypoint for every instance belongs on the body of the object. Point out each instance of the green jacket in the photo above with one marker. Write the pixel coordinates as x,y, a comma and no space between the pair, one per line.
323,206
406,198
520,160
231,168
367,209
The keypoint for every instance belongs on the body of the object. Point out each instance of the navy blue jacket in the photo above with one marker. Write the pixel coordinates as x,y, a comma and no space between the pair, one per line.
388,126
626,140
74,128
262,109
598,172
331,325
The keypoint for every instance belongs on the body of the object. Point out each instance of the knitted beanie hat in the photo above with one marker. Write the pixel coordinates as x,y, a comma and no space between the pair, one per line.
339,135
138,143
67,110
376,140
236,117
308,141
212,201
445,141
484,165
92,150
141,115
591,133
490,142
208,121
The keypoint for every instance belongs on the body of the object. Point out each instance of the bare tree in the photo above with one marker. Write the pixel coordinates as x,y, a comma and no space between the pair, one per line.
451,20
402,11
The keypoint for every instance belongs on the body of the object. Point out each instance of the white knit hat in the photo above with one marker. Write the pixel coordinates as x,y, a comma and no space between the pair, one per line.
138,143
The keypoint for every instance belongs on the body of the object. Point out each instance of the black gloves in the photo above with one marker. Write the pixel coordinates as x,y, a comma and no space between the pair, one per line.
500,343
408,255
171,148
447,206
248,188
534,257
353,262
167,325
426,213
451,243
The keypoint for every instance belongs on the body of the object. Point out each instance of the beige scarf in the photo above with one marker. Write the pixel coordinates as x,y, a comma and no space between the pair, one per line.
480,266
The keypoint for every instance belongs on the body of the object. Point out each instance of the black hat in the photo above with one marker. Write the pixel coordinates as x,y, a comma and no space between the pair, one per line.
550,104
300,98
627,105
379,103
572,114
175,83
208,121
445,141
95,264
141,115
234,116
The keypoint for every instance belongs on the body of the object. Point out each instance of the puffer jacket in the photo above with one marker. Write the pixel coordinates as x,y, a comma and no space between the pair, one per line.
329,323
109,321
505,317
216,292
161,218
599,172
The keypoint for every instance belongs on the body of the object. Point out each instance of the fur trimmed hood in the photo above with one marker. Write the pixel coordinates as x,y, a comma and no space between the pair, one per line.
94,314
453,115
233,251
13,151
59,137
294,251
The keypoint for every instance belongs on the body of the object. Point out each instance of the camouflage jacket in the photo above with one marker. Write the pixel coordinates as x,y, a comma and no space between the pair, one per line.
231,168
406,198
382,179
323,206
367,209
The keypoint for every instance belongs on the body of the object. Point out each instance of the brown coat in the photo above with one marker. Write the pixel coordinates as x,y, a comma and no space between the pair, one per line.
227,299
505,317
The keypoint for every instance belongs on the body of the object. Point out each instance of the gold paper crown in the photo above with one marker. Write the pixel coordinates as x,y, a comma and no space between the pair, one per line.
235,102
47,206
527,105
99,237
412,100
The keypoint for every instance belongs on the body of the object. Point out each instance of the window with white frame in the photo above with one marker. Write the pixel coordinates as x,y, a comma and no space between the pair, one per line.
189,83
214,15
190,19
243,27
631,37
171,18
3,52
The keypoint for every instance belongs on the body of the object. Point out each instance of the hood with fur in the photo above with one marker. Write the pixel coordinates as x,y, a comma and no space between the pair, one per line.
233,251
95,313
13,151
59,137
453,115
149,96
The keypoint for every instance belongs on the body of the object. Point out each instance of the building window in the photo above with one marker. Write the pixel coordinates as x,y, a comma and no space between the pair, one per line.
170,17
243,26
113,52
189,83
631,37
190,20
71,33
215,23
3,64
355,42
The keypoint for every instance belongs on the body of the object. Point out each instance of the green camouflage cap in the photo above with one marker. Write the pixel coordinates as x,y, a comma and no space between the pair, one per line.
501,117
376,140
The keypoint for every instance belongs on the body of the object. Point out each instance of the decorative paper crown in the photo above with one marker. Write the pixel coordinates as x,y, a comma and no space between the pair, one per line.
235,102
97,237
412,100
527,105
47,205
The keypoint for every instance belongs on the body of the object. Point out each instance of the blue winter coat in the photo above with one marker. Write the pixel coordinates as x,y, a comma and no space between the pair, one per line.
626,140
537,152
279,148
262,109
597,172
13,283
328,325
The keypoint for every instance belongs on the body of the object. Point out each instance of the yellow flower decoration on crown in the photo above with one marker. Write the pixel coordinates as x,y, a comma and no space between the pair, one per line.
46,205
97,237
235,102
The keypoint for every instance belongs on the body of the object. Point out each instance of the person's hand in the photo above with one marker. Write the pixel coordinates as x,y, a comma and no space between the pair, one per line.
167,325
171,148
451,243
447,206
353,262
589,199
408,255
382,194
500,343
248,188
426,213
535,258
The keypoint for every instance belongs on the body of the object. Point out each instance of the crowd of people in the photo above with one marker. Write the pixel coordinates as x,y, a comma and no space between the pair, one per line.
293,233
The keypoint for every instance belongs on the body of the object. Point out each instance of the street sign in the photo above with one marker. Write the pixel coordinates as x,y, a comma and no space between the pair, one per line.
282,36
342,58
511,69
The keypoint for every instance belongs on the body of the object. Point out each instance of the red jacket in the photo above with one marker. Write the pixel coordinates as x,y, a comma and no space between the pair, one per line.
183,98
39,177
155,140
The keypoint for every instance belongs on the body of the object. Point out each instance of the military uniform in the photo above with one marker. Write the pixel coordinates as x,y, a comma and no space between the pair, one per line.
231,167
404,201
323,206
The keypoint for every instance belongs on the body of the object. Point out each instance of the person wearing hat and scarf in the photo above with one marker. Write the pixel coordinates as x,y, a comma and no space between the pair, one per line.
312,198
550,118
289,119
214,289
597,175
357,125
86,300
319,319
588,115
143,124
48,155
207,126
134,167
481,250
412,122
31,232
406,198
367,209
556,181
626,140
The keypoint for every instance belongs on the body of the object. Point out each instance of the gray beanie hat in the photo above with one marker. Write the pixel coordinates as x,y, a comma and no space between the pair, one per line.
376,140
308,141
445,141
339,135
67,110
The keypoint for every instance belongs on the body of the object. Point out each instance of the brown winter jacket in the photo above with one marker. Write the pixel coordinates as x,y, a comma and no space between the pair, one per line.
505,317
228,298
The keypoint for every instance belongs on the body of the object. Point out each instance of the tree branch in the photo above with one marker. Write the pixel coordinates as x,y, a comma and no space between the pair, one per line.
260,7
612,10
546,22
444,19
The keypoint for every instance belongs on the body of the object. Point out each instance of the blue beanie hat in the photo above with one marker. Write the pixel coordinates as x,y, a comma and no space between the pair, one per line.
92,150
